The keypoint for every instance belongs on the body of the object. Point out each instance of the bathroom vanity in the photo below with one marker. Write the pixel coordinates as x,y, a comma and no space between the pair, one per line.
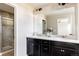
59,25
51,47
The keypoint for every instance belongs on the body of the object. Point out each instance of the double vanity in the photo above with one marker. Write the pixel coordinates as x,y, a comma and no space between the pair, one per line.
59,26
51,46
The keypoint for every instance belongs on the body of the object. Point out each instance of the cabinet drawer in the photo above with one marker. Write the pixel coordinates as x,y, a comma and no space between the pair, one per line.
44,42
60,51
36,41
65,44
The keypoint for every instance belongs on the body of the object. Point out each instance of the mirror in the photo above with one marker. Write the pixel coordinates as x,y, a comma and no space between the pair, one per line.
60,22
56,20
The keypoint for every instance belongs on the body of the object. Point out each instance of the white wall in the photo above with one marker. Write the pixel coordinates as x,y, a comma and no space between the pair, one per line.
77,20
23,27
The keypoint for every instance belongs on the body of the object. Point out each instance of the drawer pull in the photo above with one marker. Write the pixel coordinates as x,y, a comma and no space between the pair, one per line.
45,42
62,50
45,48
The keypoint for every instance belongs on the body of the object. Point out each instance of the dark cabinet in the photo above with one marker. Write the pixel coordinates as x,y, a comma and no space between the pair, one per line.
33,47
44,48
64,49
40,47
30,46
60,51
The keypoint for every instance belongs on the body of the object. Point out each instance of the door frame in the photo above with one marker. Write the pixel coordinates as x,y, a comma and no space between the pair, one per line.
0,33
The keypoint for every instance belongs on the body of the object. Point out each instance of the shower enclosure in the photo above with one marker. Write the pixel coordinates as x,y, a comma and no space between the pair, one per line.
6,33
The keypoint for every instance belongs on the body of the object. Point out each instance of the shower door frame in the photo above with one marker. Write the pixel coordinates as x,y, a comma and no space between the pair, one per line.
0,34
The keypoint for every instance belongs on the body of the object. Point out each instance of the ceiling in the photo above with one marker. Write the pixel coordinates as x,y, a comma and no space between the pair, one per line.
6,8
37,5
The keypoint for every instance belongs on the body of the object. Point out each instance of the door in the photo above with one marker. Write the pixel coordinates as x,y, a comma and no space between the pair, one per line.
7,33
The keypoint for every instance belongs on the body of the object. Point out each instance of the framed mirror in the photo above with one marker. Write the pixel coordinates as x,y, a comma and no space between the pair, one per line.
58,20
61,22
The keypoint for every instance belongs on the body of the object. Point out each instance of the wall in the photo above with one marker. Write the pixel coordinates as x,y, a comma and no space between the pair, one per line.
23,27
77,20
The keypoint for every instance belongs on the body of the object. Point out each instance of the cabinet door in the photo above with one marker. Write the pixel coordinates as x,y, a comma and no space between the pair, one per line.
44,50
33,47
30,47
36,48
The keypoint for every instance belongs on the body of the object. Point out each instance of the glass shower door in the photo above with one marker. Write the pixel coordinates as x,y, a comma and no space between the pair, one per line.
7,41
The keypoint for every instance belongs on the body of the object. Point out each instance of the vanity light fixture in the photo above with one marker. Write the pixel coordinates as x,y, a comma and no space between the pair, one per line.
61,4
39,9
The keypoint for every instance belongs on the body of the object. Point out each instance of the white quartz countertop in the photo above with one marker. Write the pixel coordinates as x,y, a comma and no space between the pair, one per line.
55,38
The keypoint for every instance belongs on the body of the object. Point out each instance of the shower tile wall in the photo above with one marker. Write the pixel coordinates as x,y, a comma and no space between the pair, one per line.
6,14
7,41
